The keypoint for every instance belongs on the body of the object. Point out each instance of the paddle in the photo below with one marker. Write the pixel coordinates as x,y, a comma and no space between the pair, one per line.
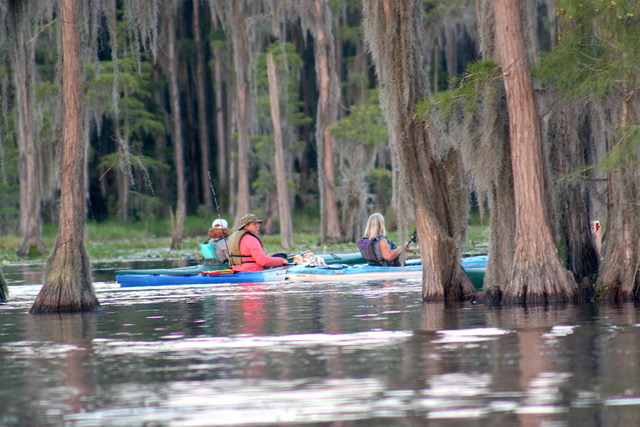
414,237
289,258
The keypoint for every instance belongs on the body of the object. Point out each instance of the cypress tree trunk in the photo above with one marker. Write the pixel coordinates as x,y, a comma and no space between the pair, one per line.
578,247
393,32
241,61
328,101
488,156
621,256
286,228
222,143
178,140
537,274
203,127
67,282
4,289
30,192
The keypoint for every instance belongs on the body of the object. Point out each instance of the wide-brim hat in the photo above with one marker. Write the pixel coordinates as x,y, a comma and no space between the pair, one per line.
220,223
247,219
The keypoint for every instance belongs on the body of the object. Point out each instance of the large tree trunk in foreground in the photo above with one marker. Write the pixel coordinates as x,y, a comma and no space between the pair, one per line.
22,58
286,227
67,282
393,31
537,273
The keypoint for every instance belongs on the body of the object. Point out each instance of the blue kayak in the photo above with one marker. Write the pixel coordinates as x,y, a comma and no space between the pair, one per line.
475,267
202,278
194,270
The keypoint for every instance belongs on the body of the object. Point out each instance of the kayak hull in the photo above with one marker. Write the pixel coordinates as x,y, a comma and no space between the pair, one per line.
475,267
352,273
139,280
194,270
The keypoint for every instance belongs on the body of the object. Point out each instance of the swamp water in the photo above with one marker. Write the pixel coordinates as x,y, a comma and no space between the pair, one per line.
347,354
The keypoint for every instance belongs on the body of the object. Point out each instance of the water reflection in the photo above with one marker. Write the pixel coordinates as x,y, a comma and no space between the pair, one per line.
55,378
335,354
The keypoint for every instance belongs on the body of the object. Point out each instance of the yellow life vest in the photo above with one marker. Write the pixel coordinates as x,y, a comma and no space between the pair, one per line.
234,246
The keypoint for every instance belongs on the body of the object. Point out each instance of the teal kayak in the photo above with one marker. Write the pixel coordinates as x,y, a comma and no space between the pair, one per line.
201,275
202,278
475,267
194,270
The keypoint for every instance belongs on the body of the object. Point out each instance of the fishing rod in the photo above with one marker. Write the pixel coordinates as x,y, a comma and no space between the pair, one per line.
215,201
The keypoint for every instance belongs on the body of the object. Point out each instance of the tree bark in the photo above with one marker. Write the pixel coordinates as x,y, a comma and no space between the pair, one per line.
328,101
243,85
537,274
4,289
284,210
30,192
620,271
178,139
67,283
393,32
222,143
579,247
203,127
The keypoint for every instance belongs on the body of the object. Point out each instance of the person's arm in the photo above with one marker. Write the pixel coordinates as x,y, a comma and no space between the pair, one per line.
260,256
388,253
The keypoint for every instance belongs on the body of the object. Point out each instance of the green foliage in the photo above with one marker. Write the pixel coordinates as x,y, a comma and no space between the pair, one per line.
288,65
380,183
358,137
436,9
624,150
597,48
134,95
465,91
46,90
10,189
363,125
597,57
110,160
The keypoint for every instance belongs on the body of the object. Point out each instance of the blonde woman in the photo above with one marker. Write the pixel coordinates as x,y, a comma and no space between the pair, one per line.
375,247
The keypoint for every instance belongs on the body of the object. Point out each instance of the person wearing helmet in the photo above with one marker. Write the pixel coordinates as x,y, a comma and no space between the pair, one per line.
217,239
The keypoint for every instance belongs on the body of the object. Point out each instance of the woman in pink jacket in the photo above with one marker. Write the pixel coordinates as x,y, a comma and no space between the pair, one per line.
246,252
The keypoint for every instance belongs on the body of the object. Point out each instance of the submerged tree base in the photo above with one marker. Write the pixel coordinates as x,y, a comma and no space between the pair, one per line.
540,280
67,287
4,289
32,247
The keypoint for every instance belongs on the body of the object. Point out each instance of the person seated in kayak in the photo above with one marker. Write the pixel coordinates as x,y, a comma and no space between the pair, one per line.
218,233
376,248
246,252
